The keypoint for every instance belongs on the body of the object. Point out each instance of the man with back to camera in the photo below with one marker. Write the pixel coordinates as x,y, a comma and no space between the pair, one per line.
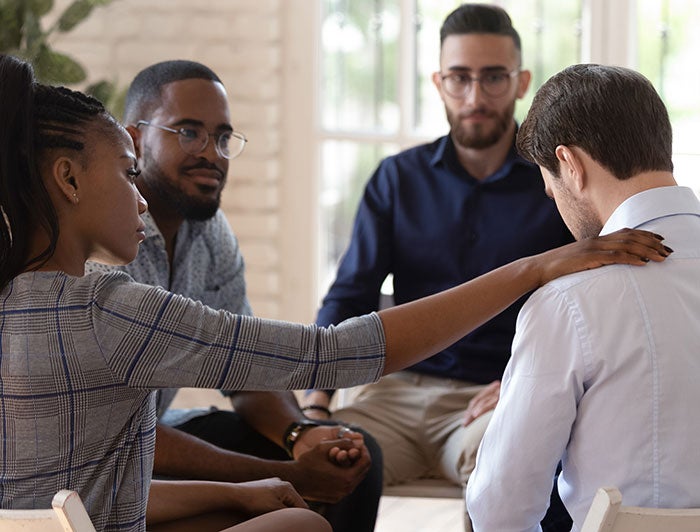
435,216
178,115
605,365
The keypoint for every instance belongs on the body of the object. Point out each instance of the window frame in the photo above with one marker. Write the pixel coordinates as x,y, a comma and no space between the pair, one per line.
603,40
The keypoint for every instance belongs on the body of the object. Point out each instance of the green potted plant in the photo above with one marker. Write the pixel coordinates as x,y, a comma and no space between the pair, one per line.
23,35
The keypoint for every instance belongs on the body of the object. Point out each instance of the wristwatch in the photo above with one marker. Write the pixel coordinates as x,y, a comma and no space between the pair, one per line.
294,430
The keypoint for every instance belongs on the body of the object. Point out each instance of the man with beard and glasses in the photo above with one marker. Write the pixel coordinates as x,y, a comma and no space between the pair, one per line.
435,216
178,116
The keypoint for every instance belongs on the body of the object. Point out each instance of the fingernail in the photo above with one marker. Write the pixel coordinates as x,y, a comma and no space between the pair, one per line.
658,237
668,249
645,259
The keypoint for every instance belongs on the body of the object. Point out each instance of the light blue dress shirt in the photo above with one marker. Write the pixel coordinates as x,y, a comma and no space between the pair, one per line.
605,377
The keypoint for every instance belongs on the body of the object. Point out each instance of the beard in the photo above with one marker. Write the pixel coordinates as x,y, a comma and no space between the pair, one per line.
190,208
479,136
578,215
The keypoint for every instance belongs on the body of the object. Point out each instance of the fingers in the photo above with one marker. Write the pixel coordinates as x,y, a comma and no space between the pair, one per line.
344,432
289,496
344,457
482,402
632,246
626,246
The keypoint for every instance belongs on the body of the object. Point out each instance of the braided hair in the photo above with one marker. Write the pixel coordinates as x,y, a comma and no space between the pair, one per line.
34,119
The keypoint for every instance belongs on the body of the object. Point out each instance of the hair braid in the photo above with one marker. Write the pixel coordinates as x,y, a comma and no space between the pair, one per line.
33,118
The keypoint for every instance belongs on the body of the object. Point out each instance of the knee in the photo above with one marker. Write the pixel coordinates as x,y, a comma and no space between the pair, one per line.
303,520
375,451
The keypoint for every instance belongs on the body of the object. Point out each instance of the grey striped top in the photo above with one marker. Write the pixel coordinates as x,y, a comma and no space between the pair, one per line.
79,357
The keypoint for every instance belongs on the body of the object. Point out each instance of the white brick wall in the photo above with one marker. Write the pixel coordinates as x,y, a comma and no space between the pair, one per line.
242,41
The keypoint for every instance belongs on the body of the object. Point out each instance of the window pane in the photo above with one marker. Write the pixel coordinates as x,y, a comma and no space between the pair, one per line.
667,45
345,168
359,65
430,112
550,31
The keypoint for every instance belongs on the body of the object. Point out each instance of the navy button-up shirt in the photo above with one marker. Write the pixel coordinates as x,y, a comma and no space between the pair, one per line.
424,219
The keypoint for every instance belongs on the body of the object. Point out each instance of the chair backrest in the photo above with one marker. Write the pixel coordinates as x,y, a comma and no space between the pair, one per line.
66,515
608,515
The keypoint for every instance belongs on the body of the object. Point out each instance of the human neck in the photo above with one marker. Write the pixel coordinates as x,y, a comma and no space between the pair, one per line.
165,217
482,162
612,196
67,257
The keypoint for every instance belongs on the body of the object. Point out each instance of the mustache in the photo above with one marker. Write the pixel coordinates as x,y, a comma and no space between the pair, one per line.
478,111
205,165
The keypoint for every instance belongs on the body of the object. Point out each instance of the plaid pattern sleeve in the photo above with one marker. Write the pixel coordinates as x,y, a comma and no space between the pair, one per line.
79,356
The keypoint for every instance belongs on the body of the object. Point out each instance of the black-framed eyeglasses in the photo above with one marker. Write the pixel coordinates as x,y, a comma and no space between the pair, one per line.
194,139
493,84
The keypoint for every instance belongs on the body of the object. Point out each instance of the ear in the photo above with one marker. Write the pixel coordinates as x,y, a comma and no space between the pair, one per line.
65,173
571,167
136,137
437,81
524,77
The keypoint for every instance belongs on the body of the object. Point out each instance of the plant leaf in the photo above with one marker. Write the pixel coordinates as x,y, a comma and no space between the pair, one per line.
103,90
11,22
56,68
74,14
40,7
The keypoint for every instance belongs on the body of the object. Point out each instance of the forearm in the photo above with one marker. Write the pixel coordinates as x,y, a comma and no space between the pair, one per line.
424,327
172,500
269,413
181,455
428,325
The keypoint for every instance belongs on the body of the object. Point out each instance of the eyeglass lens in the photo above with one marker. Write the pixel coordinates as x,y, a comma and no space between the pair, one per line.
193,140
493,84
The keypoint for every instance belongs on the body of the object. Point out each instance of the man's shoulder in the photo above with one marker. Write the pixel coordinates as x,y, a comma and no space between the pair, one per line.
408,163
425,150
586,285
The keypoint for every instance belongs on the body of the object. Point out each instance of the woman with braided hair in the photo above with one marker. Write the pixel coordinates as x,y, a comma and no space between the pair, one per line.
80,354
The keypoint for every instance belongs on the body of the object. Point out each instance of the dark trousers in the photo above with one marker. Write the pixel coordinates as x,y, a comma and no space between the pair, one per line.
557,519
356,512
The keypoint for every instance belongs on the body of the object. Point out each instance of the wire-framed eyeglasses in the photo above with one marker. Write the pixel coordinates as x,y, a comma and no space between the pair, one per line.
495,83
194,139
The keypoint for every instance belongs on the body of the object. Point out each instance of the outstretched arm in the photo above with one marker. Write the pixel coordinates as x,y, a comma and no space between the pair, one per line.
415,330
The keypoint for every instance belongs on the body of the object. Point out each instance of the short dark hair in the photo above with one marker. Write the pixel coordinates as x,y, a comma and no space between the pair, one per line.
36,119
479,18
612,113
145,90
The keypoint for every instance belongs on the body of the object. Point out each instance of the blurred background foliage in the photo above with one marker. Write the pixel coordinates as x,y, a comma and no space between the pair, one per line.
24,33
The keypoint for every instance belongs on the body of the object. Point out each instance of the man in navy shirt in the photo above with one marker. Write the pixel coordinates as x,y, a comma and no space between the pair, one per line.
435,216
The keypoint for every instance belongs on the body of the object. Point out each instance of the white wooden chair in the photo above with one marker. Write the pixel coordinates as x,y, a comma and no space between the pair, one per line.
66,515
607,514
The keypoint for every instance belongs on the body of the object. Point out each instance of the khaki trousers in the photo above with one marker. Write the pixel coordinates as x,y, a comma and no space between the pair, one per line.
417,421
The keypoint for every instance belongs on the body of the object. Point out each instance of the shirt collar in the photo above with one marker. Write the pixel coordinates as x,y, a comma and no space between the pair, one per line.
650,205
151,227
152,231
446,154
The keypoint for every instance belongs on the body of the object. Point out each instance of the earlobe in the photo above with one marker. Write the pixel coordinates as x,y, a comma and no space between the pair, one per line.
437,81
523,82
